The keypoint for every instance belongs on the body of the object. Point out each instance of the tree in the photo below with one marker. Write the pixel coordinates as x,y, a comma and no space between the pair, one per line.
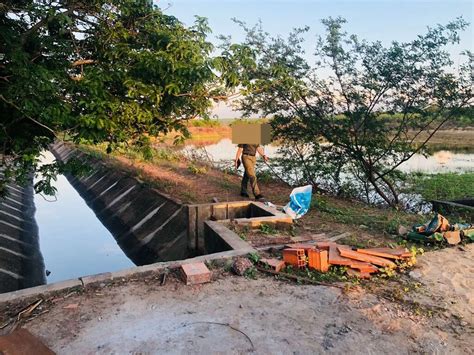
343,99
115,71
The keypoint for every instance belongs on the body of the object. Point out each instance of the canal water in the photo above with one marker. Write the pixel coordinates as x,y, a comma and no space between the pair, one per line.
73,241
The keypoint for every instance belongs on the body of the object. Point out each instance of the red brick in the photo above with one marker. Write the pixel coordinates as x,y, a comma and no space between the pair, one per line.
275,264
318,259
195,273
295,257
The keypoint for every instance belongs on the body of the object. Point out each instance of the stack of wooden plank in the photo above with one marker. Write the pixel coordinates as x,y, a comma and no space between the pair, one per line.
361,262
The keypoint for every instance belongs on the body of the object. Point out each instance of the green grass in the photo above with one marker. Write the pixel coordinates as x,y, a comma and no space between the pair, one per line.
205,123
379,220
447,186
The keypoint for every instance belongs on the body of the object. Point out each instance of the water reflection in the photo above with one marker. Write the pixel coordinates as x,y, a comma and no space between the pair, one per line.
440,162
73,241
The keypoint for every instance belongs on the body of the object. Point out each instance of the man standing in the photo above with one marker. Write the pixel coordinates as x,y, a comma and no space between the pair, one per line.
248,153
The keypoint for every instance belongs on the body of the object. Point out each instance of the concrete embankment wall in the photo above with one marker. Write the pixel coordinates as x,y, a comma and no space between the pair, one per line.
148,226
21,262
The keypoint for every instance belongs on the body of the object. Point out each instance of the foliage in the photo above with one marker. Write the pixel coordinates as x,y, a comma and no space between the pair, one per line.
267,229
443,186
114,71
254,257
196,170
335,273
205,123
331,117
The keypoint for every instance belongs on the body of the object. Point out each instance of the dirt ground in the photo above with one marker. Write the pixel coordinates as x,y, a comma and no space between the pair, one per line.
238,315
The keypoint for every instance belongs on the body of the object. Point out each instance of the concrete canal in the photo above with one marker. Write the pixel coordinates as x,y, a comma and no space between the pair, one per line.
106,220
73,241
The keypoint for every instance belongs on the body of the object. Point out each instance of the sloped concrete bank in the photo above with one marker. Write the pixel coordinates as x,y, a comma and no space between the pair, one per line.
21,262
148,226
154,230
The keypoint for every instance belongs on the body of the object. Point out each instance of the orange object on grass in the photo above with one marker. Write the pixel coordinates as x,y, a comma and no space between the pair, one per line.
318,259
295,257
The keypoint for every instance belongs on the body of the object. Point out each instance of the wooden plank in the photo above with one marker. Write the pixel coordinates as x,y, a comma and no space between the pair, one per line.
368,268
335,258
340,236
386,252
348,253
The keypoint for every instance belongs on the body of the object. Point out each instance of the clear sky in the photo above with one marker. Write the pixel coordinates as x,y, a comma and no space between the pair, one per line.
384,20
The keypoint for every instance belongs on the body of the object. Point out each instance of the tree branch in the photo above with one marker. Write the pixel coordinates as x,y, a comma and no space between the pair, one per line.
27,116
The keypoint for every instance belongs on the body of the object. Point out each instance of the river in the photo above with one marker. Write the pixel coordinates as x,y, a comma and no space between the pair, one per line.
439,162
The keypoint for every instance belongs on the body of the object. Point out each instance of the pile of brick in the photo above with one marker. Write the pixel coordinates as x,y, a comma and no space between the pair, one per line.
321,255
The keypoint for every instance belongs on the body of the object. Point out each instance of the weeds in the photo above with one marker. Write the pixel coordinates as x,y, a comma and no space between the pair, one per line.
265,176
447,186
194,169
251,273
335,273
254,257
267,229
205,123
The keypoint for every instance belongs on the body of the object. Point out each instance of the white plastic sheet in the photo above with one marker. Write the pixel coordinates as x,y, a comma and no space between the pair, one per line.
300,201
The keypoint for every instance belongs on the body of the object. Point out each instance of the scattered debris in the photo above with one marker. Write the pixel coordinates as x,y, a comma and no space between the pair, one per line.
21,341
241,265
359,262
274,264
195,273
231,327
402,230
71,306
439,229
340,236
452,237
352,254
29,309
163,279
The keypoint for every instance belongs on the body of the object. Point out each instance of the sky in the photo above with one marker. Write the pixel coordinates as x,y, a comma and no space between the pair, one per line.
384,20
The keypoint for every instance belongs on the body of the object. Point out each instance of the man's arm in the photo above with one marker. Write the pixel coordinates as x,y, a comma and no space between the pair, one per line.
237,156
262,153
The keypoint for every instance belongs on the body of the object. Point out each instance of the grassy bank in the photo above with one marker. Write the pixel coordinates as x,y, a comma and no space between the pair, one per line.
446,186
196,182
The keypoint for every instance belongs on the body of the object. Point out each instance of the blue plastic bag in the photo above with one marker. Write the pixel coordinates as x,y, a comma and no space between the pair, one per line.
300,200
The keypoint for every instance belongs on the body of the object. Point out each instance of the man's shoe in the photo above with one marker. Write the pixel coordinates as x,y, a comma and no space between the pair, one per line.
259,197
244,194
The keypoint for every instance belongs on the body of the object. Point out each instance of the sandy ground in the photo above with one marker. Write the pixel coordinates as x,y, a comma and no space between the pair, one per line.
448,274
267,316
